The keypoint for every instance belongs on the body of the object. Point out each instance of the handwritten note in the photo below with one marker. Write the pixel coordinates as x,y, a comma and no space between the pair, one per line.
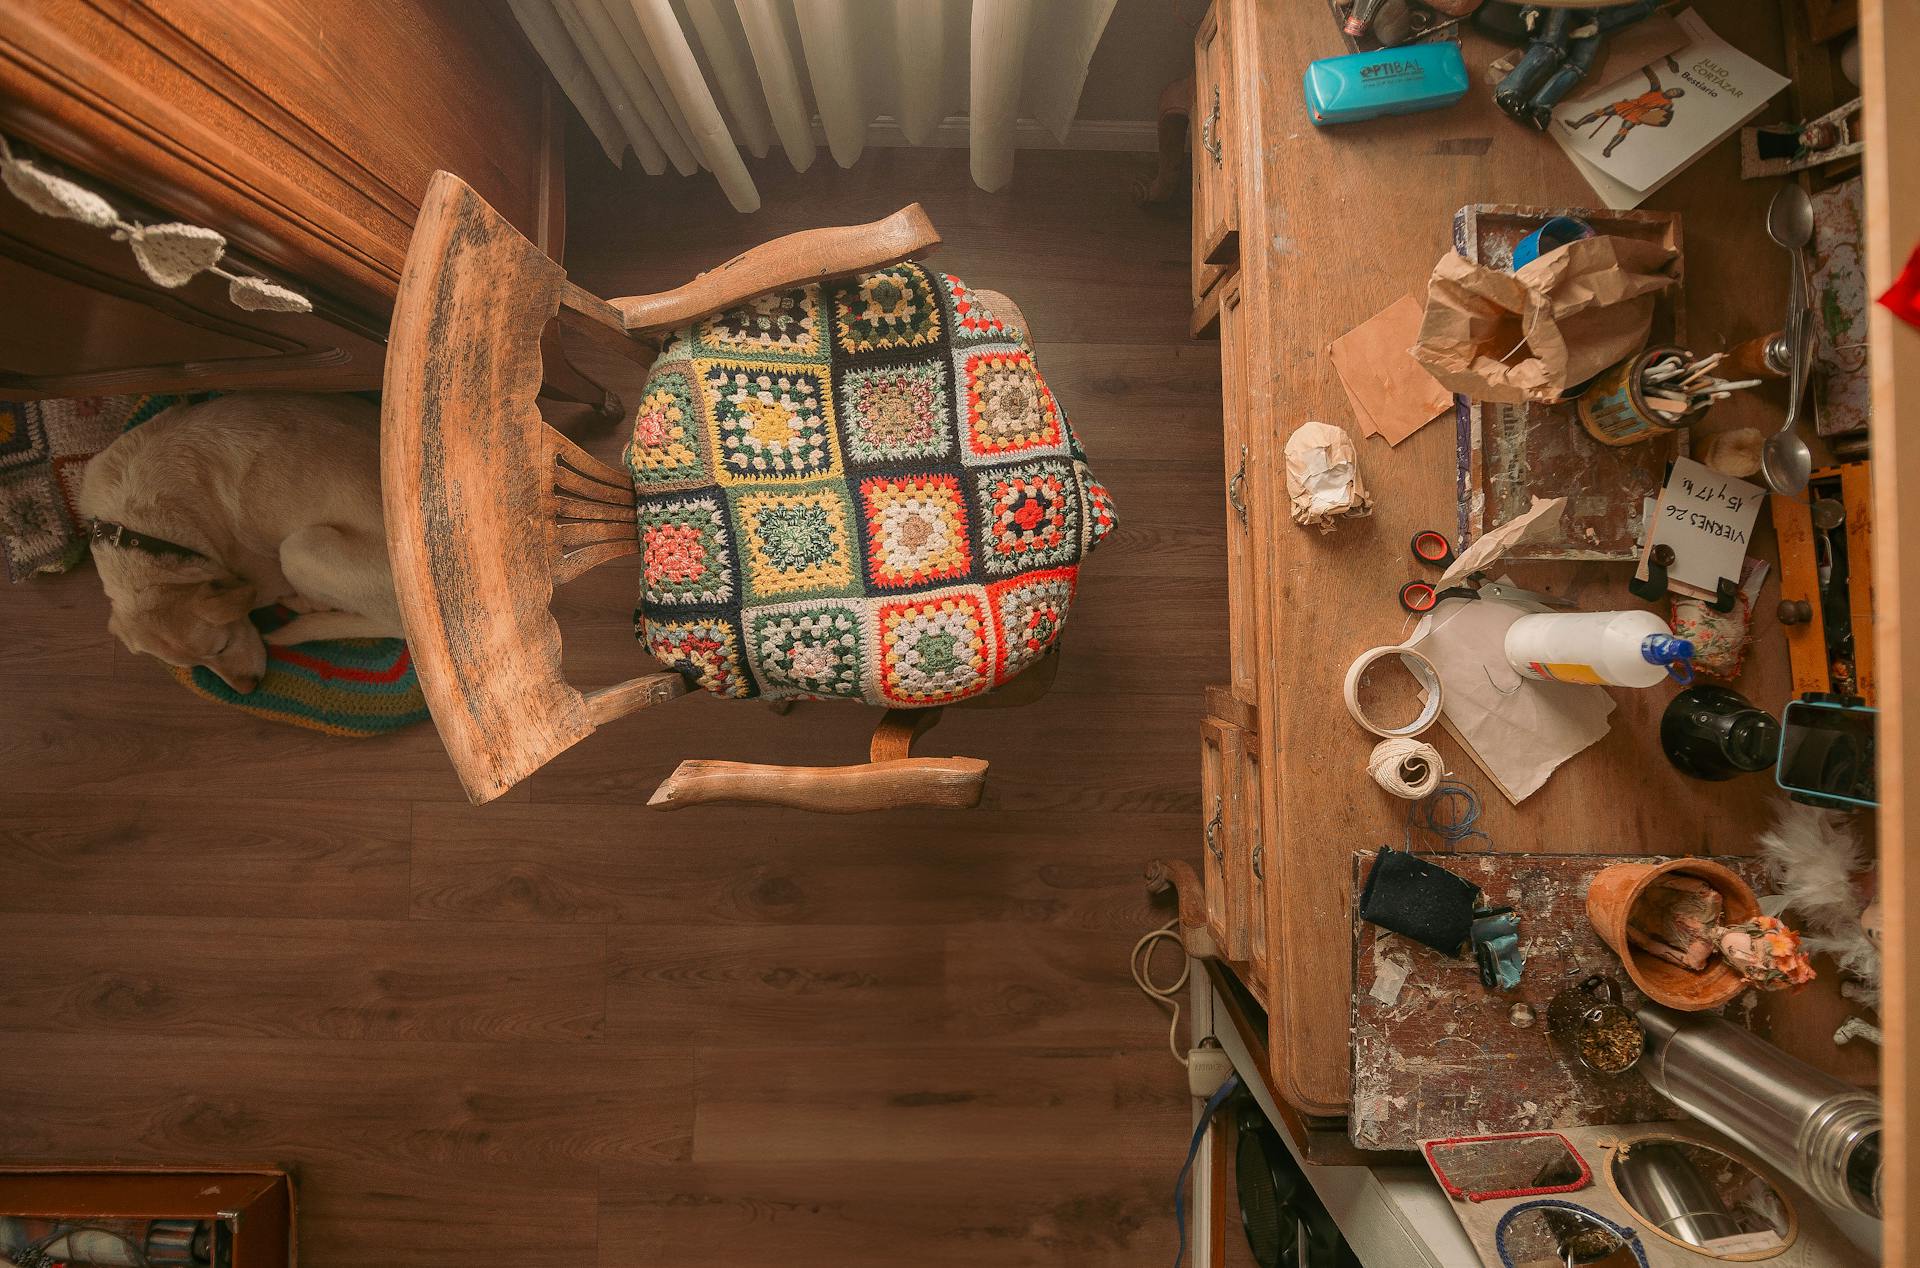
1708,519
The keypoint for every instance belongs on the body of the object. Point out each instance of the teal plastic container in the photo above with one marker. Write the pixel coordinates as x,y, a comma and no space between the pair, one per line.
1400,80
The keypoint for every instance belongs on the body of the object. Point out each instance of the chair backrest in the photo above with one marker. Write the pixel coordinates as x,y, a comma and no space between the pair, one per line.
488,507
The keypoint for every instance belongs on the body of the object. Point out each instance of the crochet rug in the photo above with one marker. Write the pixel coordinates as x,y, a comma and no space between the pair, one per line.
354,687
860,489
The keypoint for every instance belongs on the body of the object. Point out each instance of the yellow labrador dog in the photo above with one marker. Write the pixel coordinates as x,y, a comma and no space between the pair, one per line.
210,510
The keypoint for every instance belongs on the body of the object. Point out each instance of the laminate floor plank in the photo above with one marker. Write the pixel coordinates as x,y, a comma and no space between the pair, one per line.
1009,1214
142,976
131,855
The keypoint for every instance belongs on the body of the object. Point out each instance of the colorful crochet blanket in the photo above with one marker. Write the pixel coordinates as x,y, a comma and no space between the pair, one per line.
860,489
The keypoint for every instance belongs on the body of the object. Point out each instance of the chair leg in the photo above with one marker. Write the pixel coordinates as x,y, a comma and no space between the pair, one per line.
893,777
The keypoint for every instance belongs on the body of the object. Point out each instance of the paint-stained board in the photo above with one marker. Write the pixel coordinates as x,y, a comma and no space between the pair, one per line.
1444,1058
1511,454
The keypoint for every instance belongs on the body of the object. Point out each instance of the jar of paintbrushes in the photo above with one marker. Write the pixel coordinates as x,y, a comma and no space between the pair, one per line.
1653,394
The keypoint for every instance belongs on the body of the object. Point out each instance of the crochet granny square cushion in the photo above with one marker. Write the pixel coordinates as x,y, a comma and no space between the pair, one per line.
860,489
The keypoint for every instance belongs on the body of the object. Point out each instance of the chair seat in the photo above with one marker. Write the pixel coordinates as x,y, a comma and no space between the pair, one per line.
861,489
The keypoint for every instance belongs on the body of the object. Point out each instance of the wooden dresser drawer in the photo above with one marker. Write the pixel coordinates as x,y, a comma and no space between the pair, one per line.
1234,859
1244,490
1216,218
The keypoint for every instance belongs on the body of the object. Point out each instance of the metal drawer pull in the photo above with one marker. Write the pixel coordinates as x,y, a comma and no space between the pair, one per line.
1235,484
1213,833
1258,858
1210,129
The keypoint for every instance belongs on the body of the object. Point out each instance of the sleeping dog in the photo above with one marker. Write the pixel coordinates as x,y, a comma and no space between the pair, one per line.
210,510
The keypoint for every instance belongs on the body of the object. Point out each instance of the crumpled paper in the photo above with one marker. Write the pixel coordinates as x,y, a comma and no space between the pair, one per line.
1567,316
1323,476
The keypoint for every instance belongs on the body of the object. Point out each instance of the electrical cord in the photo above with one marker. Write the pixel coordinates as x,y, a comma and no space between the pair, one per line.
1141,966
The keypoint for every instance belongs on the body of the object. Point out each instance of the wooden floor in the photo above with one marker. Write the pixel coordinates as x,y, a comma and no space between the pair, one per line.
562,1030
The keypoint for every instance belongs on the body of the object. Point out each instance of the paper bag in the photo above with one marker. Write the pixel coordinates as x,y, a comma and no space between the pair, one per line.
1529,336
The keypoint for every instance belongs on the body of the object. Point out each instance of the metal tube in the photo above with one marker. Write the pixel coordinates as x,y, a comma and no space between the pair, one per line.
1823,1131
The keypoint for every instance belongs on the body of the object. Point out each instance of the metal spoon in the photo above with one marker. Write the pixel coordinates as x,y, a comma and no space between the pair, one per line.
1786,462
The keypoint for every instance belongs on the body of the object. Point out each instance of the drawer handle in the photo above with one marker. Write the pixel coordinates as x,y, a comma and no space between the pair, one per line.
1210,129
1258,858
1213,833
1236,498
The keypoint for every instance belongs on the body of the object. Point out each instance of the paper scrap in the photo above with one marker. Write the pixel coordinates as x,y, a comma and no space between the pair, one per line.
1540,522
1323,476
1707,518
1389,977
1516,729
1392,395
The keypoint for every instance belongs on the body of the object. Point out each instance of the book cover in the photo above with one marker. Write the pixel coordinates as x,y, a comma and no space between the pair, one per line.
1635,134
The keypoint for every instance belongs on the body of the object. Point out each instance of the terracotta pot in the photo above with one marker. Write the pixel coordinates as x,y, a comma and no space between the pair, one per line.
1612,896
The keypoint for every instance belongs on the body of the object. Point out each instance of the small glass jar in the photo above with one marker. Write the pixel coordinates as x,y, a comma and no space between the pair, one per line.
1592,1024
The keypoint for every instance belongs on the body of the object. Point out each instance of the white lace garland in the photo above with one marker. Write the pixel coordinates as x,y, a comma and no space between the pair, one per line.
171,255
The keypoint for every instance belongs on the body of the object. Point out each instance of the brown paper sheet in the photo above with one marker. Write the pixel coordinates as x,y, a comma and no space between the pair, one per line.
1392,395
1529,336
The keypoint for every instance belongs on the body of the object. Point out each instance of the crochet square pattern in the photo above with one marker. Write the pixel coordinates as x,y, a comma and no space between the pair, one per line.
1029,516
706,649
797,542
896,413
1028,613
667,450
890,308
862,489
816,648
935,648
770,421
782,325
1009,411
685,556
972,320
916,530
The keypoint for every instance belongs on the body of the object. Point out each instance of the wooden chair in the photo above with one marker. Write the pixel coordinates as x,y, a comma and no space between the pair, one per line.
488,507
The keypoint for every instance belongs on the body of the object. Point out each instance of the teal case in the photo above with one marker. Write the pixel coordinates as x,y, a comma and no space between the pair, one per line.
1388,81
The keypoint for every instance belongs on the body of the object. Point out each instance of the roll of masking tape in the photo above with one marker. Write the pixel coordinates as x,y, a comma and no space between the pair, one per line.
1423,673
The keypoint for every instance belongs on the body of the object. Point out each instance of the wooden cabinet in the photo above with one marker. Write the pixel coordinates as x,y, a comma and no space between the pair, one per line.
1216,221
1331,227
303,132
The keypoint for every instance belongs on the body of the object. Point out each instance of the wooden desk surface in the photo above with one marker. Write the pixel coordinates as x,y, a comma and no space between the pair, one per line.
1336,225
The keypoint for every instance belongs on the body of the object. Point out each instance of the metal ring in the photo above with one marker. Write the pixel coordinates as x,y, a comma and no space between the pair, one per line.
1210,129
1213,832
1257,873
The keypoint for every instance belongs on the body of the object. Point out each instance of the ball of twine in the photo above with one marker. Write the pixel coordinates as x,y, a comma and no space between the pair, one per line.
1406,767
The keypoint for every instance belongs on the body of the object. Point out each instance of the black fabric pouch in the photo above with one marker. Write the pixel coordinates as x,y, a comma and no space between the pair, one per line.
1422,900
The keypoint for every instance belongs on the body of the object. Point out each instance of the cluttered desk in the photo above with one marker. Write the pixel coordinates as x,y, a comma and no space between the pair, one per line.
1545,418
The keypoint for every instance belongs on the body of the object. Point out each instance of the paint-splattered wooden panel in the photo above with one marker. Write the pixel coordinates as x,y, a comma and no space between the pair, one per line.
1438,1054
1510,454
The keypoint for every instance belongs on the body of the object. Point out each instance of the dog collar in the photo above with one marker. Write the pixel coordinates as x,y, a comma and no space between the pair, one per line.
120,535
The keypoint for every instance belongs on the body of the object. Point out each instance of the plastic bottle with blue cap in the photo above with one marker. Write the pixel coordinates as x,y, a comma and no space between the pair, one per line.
1613,649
